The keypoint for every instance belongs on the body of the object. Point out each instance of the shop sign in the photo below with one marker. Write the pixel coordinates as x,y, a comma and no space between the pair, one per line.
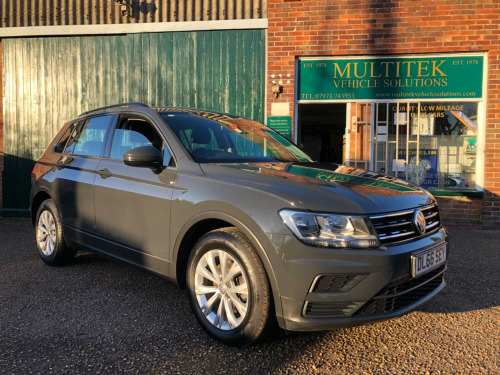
282,125
391,78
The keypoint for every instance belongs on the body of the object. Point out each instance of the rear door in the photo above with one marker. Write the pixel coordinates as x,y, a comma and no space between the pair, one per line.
74,175
132,204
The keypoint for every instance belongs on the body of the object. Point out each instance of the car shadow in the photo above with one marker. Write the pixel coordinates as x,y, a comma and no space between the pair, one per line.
472,280
88,257
473,273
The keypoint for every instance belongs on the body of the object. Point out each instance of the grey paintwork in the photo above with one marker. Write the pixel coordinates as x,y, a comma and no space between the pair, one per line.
141,216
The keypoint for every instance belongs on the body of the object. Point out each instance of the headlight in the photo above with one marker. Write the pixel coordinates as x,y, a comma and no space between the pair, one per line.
330,230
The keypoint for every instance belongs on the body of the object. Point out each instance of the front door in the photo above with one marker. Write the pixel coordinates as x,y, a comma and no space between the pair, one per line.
321,131
132,204
360,135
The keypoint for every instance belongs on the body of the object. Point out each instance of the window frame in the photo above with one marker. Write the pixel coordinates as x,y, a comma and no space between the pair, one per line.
119,118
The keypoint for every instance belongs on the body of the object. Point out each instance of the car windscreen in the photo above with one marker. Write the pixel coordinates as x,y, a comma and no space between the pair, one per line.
214,138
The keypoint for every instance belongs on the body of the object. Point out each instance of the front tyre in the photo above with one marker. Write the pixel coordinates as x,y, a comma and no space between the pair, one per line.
49,237
228,287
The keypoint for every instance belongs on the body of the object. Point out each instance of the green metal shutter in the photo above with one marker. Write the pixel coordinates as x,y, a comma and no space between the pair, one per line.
48,81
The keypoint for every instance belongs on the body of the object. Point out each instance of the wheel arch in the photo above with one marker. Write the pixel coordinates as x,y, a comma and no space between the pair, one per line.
205,222
39,197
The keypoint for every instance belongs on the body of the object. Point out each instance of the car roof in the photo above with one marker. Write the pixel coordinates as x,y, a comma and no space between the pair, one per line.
136,106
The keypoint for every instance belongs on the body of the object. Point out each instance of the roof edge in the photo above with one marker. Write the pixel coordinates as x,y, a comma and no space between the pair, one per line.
133,28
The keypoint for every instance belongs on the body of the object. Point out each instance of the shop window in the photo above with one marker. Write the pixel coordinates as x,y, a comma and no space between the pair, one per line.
432,144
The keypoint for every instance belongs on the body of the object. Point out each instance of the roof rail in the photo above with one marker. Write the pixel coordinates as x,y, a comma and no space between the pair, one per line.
123,105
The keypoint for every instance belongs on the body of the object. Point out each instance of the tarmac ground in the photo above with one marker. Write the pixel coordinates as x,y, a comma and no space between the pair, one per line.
100,316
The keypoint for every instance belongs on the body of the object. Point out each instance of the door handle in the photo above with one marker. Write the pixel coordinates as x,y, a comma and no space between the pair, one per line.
104,173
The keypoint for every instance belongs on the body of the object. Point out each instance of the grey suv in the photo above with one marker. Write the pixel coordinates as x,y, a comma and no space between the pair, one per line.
244,220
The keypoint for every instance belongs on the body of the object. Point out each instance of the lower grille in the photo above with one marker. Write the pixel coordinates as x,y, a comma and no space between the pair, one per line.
324,309
399,296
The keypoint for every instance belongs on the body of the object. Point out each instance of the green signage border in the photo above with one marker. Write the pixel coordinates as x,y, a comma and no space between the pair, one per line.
391,78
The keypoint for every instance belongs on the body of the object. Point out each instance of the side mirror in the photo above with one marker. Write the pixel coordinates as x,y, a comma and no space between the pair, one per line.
144,156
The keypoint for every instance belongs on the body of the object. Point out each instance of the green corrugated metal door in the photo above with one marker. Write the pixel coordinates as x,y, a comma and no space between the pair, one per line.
48,81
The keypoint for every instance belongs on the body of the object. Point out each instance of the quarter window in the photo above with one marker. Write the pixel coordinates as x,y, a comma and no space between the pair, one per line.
59,147
73,138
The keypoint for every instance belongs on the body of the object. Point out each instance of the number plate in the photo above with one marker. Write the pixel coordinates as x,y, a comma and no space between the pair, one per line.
428,260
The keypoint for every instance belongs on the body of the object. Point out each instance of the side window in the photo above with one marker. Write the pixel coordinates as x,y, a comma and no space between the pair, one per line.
131,133
59,147
90,140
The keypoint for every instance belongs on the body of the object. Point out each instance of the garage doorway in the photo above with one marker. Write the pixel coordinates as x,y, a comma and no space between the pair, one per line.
321,131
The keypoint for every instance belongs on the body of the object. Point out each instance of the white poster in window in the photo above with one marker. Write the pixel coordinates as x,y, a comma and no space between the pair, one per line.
424,171
381,133
426,125
401,119
399,165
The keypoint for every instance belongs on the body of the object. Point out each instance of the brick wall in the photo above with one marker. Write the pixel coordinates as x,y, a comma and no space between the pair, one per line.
371,27
460,210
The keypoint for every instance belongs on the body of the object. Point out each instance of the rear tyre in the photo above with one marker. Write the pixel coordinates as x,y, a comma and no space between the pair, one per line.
228,287
49,237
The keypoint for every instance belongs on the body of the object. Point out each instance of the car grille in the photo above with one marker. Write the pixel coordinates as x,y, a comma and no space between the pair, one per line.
397,227
324,309
399,296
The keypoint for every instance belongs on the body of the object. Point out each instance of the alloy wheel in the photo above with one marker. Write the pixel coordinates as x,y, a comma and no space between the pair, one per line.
46,235
221,289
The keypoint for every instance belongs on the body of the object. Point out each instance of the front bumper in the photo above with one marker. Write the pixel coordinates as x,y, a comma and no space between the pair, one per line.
341,288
